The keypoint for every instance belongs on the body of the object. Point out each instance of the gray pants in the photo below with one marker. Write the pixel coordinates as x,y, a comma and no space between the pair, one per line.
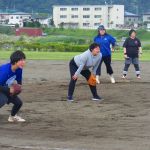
135,62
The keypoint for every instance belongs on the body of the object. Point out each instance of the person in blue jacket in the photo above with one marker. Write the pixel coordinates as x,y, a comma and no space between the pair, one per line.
105,41
9,74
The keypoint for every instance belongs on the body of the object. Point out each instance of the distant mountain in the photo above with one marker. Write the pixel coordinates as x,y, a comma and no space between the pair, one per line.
45,6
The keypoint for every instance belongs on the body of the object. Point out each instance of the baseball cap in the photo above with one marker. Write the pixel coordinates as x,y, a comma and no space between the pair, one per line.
101,27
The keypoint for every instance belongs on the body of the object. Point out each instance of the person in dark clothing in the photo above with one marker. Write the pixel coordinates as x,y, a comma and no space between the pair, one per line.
105,40
132,51
9,74
81,64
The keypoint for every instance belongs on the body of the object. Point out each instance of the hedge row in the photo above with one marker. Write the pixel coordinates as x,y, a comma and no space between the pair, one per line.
49,47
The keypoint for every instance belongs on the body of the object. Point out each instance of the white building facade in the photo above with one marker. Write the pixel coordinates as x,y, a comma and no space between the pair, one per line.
88,16
146,17
18,18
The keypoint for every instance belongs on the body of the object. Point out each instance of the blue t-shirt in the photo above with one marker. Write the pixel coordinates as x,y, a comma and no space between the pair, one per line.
7,76
105,41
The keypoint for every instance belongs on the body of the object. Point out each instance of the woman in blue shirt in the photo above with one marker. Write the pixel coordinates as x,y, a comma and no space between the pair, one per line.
105,41
10,73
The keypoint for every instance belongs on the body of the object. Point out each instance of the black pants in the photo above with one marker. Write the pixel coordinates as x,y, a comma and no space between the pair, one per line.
14,100
86,73
107,61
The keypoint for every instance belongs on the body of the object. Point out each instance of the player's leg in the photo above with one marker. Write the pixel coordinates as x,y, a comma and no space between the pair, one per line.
137,68
73,68
17,104
107,61
87,74
98,71
3,99
126,67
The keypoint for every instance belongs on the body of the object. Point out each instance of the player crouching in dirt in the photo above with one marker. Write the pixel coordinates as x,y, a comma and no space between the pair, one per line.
81,64
9,90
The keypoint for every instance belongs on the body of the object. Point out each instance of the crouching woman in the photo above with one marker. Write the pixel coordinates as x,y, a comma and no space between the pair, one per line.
81,64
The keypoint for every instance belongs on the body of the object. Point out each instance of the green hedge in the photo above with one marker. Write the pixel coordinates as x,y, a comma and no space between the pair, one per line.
50,47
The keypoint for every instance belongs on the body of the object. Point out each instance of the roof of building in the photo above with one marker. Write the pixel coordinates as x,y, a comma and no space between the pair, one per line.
129,14
21,13
147,13
84,5
14,13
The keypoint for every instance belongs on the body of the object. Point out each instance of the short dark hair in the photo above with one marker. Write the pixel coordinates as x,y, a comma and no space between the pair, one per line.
131,31
93,45
17,56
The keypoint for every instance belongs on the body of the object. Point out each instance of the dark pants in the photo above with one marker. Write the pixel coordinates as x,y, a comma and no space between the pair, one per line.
86,73
4,99
107,61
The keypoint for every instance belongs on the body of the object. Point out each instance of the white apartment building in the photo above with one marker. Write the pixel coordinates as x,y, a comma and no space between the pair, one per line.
4,18
88,16
146,17
18,18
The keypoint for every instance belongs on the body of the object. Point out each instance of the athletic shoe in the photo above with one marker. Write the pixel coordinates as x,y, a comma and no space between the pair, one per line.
70,99
96,98
138,76
112,79
123,76
15,119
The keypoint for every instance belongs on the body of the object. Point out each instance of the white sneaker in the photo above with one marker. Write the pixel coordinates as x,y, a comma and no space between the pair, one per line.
97,79
112,79
15,119
123,76
139,77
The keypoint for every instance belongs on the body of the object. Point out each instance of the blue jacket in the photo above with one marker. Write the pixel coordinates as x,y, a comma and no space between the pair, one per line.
7,77
105,42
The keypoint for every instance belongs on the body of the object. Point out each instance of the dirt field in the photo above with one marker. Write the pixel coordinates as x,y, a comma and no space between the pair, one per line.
120,122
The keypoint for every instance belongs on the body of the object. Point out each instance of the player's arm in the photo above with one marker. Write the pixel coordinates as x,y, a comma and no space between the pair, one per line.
140,47
125,44
3,89
19,76
113,43
81,66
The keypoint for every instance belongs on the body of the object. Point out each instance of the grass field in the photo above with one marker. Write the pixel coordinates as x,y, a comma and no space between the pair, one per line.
65,55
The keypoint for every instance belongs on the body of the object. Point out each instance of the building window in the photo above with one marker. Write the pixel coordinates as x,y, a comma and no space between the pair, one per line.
17,17
86,24
117,9
74,16
12,17
63,16
74,9
98,9
86,9
63,9
97,24
20,17
148,18
97,16
86,16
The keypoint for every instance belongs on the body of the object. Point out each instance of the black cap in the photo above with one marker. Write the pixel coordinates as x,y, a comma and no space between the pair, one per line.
101,27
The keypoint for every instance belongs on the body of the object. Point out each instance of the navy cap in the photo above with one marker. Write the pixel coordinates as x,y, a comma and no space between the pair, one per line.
101,27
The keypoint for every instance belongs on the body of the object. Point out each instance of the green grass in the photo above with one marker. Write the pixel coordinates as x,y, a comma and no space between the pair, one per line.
65,55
